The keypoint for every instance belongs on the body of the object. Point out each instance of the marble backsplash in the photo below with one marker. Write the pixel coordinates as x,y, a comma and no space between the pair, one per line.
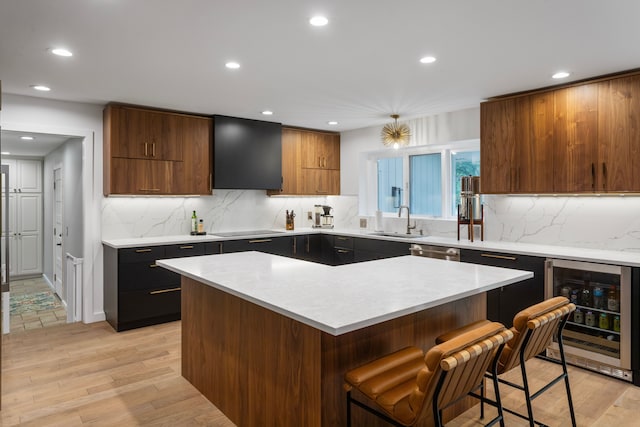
226,210
606,222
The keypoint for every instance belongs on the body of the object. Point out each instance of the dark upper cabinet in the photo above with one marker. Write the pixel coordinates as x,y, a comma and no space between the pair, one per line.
247,154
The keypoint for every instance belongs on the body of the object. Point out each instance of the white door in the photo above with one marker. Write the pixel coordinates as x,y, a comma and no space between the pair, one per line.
29,235
58,265
11,233
12,175
29,178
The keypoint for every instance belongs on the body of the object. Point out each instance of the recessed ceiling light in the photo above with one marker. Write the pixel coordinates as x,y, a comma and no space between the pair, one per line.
61,51
428,59
27,138
267,113
318,21
42,88
5,153
233,65
332,123
561,75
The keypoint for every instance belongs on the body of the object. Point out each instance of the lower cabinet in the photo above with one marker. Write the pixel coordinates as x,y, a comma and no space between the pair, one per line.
139,293
271,245
504,303
372,249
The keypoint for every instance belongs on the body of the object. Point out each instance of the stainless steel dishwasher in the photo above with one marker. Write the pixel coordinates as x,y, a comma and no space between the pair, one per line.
439,252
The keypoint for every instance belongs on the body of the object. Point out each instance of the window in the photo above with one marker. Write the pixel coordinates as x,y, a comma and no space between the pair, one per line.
425,184
427,178
390,181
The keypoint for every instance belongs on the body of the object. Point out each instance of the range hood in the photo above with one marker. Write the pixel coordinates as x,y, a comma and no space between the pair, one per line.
247,154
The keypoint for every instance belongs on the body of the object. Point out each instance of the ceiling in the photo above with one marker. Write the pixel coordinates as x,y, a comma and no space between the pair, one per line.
41,144
361,67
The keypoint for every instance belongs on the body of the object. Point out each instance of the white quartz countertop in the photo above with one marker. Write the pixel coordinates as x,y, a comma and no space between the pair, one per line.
342,299
631,259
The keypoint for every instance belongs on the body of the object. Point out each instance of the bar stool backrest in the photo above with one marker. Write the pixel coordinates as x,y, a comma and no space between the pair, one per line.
456,367
539,322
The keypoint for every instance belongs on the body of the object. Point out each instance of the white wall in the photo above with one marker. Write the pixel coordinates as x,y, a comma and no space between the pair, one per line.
69,156
21,113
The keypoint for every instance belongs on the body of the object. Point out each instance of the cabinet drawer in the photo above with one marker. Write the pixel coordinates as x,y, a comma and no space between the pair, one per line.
343,256
137,305
184,250
141,254
145,276
343,242
497,259
213,248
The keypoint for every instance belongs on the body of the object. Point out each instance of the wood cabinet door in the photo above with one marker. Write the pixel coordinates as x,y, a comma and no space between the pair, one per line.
196,136
497,146
533,161
144,134
320,150
576,139
320,182
291,152
135,176
618,167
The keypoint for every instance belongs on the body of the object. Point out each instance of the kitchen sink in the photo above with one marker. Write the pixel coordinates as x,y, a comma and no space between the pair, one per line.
244,233
395,234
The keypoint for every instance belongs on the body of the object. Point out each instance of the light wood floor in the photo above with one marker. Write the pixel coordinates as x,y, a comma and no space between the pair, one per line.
78,375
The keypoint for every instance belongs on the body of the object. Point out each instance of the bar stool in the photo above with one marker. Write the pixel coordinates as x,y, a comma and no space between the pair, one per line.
533,329
407,386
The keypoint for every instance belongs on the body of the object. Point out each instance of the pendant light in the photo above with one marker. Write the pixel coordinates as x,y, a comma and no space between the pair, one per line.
395,135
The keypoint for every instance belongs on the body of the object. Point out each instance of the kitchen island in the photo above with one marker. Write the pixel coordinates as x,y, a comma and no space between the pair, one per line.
267,339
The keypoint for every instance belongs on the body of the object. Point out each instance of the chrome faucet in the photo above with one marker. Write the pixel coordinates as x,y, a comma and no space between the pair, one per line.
409,226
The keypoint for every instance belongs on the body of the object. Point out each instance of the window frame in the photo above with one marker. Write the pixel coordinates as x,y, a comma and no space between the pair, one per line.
369,183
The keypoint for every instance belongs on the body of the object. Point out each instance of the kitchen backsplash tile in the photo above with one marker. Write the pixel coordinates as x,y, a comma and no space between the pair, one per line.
125,217
607,222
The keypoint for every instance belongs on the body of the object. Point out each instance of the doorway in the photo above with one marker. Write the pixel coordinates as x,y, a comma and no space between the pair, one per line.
41,300
58,268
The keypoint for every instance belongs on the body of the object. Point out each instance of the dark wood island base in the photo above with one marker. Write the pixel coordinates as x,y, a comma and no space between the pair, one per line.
261,368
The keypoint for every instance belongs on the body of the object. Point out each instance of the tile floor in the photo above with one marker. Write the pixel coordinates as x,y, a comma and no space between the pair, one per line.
34,319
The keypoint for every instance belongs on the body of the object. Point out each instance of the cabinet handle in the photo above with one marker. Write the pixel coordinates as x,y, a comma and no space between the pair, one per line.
593,176
153,149
153,265
220,248
307,244
186,247
319,162
149,189
139,251
341,238
604,175
146,154
509,258
164,291
342,251
321,192
295,246
260,241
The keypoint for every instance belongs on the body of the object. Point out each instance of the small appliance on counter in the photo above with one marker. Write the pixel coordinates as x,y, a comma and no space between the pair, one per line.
470,209
322,217
327,218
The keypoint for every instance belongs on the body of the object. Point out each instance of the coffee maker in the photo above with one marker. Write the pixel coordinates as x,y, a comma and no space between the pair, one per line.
327,218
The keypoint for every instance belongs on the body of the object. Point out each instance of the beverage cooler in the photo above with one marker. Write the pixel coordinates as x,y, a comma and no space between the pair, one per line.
598,334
